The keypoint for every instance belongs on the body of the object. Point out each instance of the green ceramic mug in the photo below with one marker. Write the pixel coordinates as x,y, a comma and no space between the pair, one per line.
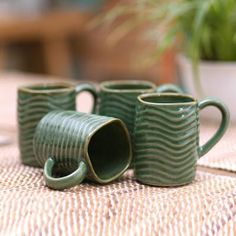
118,98
167,137
73,145
34,101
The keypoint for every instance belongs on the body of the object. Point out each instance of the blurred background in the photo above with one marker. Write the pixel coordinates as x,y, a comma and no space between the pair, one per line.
187,42
55,37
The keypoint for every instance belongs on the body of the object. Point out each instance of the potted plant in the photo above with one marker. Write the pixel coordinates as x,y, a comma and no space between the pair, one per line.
203,32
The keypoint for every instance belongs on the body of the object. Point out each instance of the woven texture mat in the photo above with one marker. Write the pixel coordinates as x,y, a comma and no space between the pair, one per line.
27,207
223,154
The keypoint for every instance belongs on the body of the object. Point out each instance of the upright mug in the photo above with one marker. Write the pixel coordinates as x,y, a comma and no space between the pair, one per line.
35,101
167,137
118,98
73,145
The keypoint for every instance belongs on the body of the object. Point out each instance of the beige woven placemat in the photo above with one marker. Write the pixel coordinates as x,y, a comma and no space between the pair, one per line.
27,207
223,154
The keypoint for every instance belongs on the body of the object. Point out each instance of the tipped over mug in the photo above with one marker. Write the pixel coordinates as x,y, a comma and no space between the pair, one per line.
35,101
72,145
166,137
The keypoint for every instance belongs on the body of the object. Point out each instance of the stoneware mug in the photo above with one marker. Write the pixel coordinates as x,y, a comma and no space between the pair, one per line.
73,145
118,98
167,137
34,101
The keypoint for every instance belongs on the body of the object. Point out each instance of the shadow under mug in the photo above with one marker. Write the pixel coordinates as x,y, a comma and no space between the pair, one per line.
118,98
167,137
72,145
35,101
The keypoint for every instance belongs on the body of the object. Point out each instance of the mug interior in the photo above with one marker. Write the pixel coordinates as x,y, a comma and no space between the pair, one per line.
48,87
45,88
131,85
109,151
166,99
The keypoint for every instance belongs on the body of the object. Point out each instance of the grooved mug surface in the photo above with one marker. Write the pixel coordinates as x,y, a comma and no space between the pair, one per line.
119,106
166,143
63,136
31,108
118,99
70,137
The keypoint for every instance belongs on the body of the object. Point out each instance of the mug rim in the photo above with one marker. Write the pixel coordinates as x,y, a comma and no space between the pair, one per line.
105,86
153,95
32,88
87,158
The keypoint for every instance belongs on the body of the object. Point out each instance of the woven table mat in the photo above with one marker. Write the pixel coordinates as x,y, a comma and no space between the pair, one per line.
223,154
27,207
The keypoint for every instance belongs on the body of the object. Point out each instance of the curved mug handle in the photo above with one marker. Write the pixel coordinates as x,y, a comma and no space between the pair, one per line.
168,88
202,150
86,87
64,182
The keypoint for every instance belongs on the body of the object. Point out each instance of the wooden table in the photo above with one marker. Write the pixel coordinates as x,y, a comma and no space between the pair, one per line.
52,29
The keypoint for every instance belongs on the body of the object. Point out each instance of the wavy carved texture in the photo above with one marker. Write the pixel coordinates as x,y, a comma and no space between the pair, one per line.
121,106
63,135
166,144
31,108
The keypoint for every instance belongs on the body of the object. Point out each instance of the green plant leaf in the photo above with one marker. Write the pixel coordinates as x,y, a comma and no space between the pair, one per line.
207,27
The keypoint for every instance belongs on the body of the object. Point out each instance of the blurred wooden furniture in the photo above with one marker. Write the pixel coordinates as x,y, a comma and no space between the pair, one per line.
93,58
123,60
52,29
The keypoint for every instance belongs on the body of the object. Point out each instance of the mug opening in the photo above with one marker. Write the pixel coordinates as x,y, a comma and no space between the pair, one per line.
166,99
127,86
46,88
109,150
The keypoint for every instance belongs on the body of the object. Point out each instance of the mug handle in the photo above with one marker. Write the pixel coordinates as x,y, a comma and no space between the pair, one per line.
168,88
86,87
202,150
64,182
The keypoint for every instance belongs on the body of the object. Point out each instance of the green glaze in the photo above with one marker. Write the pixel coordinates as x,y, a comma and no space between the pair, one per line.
224,123
37,100
118,98
73,145
166,137
168,88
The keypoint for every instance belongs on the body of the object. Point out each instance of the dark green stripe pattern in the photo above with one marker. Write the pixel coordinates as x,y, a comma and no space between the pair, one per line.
31,108
166,144
70,138
63,136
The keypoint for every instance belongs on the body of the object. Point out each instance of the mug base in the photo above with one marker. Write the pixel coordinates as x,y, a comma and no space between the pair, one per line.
164,184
